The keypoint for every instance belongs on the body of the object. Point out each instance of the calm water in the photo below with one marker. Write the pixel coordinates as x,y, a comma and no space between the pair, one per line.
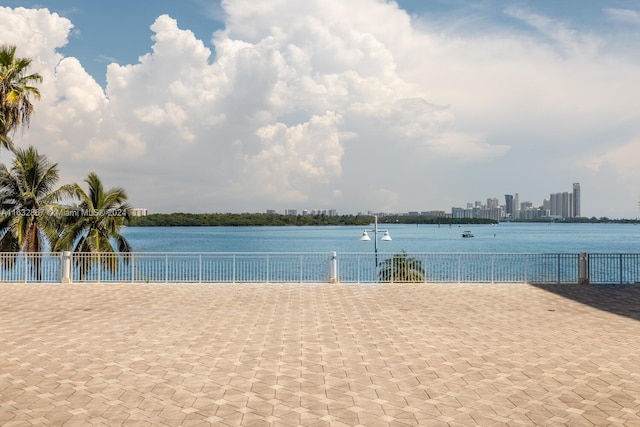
505,237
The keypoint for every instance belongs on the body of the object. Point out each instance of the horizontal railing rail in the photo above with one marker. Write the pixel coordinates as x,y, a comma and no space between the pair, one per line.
30,267
614,268
278,267
468,267
201,267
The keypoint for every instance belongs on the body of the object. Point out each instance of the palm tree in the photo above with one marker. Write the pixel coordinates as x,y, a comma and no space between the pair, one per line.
402,268
16,90
28,198
94,225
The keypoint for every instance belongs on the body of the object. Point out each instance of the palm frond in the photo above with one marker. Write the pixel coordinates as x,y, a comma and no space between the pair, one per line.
16,90
5,141
402,268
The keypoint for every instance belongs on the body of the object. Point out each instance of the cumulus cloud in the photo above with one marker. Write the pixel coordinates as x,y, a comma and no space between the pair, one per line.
350,105
38,32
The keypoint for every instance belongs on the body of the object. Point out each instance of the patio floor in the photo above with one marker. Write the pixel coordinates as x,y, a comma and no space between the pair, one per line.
319,355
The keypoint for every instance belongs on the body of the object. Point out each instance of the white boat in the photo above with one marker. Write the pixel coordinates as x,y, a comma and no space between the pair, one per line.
467,234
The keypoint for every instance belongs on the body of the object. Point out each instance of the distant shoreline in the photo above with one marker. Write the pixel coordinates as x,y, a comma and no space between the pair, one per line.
259,219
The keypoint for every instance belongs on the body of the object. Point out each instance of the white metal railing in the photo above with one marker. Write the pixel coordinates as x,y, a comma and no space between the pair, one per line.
201,267
470,267
316,267
30,267
613,268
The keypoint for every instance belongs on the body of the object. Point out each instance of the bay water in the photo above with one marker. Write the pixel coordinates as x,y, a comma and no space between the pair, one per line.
501,238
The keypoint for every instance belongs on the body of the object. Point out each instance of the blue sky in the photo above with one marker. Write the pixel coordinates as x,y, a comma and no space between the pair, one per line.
118,30
354,106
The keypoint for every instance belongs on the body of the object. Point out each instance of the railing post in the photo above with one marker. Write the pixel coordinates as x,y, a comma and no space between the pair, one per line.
621,269
66,267
333,268
583,269
493,259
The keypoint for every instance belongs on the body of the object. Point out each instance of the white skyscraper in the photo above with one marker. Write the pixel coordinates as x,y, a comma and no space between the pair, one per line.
492,203
576,199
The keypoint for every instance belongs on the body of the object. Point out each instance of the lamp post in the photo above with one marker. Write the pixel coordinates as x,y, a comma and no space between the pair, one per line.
385,238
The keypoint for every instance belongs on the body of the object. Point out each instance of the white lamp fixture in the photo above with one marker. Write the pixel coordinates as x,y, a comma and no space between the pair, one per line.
385,238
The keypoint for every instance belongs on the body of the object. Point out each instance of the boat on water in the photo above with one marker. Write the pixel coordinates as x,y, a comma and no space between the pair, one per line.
467,234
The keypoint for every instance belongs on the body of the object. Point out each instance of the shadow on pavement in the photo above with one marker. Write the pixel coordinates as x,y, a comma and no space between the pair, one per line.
618,299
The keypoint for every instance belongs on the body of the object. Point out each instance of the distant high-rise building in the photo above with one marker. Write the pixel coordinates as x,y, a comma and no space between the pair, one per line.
493,213
508,203
567,204
516,206
562,204
526,206
137,212
492,203
556,204
461,213
576,199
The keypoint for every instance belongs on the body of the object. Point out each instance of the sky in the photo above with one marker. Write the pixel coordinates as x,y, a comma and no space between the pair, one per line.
365,105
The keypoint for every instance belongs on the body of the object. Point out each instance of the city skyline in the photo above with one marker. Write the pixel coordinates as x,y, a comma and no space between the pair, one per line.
559,205
367,105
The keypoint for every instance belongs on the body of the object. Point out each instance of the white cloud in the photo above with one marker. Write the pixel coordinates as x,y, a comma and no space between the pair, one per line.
626,155
566,39
37,32
300,156
626,16
347,105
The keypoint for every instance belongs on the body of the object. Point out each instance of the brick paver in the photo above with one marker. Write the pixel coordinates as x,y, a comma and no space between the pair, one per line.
318,355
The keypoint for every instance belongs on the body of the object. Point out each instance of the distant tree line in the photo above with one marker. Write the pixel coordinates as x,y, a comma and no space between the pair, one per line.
262,219
423,219
181,219
585,220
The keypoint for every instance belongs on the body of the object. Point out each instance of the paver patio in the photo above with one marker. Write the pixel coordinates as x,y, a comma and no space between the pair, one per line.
318,355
